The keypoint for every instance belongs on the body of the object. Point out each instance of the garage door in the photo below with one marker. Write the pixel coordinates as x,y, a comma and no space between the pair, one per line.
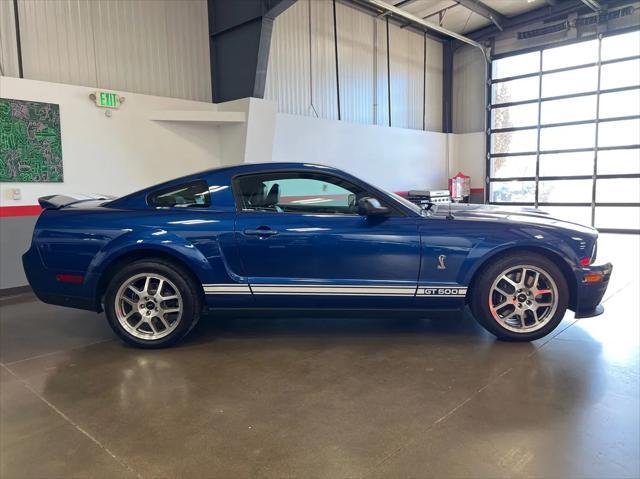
565,131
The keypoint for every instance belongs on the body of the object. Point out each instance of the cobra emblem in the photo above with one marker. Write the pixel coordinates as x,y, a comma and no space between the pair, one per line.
441,259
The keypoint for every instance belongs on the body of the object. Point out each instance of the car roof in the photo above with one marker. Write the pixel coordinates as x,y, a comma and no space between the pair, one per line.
137,198
267,166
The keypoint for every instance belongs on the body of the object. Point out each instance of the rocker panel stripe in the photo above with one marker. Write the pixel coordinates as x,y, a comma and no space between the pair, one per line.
337,290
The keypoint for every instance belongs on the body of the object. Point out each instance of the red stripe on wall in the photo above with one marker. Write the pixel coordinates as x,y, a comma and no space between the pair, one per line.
28,210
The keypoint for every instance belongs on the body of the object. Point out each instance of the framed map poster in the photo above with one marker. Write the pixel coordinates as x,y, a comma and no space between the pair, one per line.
30,141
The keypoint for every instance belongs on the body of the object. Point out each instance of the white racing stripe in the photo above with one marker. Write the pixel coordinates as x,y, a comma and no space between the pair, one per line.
226,288
334,290
424,291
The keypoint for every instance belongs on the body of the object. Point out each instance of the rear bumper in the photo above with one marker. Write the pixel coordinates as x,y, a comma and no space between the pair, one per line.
592,285
48,290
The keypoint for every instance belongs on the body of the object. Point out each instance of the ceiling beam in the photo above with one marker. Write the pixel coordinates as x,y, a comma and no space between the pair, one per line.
404,3
476,6
560,8
437,8
593,5
430,26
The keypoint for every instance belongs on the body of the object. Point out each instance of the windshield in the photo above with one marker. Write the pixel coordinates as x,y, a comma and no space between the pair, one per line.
415,208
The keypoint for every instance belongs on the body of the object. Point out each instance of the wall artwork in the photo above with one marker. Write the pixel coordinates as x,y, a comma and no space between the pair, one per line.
30,141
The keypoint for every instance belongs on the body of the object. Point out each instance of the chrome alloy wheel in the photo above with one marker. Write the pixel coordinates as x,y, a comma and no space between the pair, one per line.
148,306
523,298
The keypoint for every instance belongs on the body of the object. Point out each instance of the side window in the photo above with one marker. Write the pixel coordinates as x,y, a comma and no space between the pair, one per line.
188,195
298,193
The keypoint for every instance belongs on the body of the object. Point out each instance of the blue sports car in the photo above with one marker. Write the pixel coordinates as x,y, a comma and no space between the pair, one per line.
302,236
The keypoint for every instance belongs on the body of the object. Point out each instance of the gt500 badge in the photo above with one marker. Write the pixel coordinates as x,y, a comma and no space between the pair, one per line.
445,291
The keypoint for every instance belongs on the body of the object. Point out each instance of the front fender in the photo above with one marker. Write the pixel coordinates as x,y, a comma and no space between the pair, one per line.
487,250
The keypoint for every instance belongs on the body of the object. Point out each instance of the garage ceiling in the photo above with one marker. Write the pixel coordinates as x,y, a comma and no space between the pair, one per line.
467,15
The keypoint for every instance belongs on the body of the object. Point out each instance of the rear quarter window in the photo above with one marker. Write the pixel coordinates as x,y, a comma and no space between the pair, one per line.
194,194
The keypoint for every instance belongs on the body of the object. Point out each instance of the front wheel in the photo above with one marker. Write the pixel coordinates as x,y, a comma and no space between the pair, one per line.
152,303
521,297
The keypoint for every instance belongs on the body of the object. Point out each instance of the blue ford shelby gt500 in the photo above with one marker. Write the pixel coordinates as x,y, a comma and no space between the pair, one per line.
301,236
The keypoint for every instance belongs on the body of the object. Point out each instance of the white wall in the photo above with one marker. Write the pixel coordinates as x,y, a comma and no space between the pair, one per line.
397,159
301,76
156,47
120,154
467,154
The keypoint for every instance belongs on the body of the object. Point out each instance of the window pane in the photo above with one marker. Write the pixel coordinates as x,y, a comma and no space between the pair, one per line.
515,90
521,115
618,133
513,166
575,214
570,55
512,191
618,190
567,137
620,46
309,192
567,164
515,65
619,217
514,141
622,103
570,109
188,195
291,192
572,81
618,162
620,74
565,191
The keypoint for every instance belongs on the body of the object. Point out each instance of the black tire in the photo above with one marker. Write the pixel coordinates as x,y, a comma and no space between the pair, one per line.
188,291
481,290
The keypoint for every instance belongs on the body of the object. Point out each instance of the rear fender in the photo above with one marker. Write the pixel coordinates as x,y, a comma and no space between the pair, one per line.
152,241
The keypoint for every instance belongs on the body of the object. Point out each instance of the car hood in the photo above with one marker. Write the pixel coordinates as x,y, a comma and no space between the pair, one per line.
526,215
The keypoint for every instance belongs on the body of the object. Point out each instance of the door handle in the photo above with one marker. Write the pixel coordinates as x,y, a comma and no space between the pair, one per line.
261,231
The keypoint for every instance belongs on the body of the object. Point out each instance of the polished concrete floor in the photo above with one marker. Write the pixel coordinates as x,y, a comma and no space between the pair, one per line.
332,398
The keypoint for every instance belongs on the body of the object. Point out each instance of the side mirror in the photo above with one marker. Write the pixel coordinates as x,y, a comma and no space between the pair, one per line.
371,207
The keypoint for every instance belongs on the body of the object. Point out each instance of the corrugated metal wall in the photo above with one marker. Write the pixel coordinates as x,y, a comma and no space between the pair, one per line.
356,64
468,90
433,95
289,71
381,74
158,47
8,51
303,80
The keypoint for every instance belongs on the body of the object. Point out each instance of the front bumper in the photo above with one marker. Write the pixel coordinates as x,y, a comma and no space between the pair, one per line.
592,285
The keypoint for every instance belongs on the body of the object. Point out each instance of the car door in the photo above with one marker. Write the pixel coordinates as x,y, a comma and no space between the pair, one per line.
302,243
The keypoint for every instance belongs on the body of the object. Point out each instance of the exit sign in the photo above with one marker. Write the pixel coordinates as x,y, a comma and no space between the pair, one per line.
107,99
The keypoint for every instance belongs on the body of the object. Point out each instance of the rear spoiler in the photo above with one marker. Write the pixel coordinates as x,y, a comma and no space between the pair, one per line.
54,202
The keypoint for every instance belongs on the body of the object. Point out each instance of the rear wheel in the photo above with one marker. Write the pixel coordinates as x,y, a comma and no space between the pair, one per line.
520,297
152,303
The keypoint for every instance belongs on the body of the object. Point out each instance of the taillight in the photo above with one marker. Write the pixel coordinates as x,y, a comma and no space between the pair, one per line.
589,260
